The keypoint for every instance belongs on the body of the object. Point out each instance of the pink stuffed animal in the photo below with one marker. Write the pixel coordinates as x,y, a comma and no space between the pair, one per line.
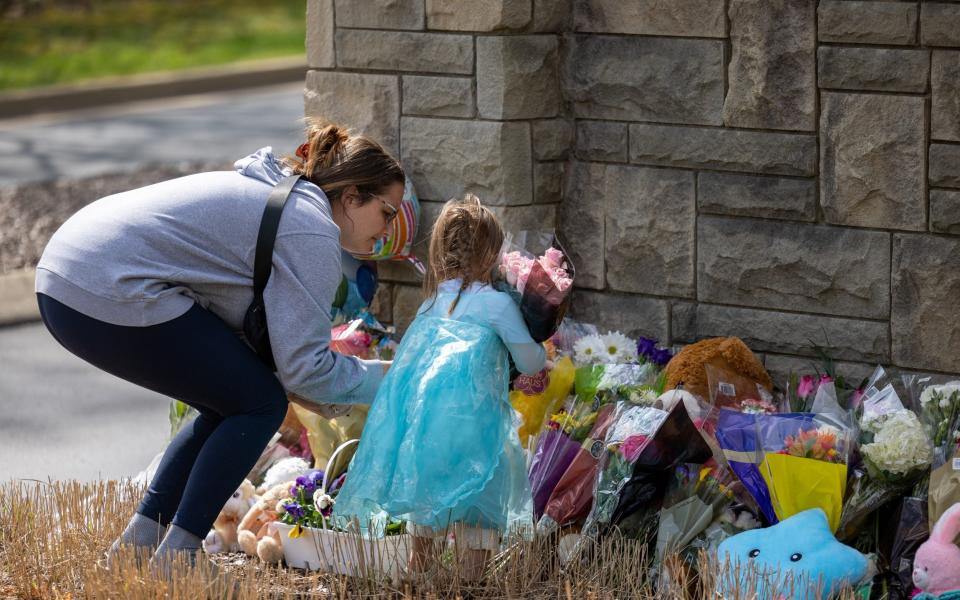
936,569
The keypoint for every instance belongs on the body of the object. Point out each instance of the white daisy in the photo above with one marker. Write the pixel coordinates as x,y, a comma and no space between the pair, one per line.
618,348
589,350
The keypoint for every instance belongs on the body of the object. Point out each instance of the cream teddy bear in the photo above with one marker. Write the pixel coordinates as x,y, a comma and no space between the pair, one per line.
256,534
223,536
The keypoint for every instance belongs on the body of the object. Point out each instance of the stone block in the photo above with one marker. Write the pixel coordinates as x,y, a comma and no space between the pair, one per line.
878,69
793,266
380,14
872,160
404,51
945,211
945,97
649,217
477,15
319,40
552,15
438,96
940,24
792,333
581,223
406,300
925,311
631,315
683,18
757,196
447,158
552,139
772,74
945,165
368,103
670,80
867,22
548,182
517,77
602,141
723,149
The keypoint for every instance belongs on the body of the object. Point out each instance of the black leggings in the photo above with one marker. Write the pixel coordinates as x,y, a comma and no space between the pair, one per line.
195,358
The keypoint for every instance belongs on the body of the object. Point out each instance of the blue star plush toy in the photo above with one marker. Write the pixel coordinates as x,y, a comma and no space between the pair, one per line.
795,558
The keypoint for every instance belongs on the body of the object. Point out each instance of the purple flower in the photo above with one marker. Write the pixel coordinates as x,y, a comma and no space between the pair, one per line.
306,483
316,477
294,510
661,357
646,347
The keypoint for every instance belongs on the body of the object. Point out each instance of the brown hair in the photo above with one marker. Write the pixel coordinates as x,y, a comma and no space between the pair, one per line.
465,243
334,159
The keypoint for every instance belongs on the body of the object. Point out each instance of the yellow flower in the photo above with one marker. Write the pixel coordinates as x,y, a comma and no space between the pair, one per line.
296,532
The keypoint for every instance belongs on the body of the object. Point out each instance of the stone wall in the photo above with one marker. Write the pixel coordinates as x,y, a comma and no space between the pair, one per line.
787,171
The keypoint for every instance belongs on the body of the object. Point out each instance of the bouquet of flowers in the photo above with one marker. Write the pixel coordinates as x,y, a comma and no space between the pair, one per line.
788,462
939,410
697,494
633,428
540,284
608,349
572,496
636,500
898,455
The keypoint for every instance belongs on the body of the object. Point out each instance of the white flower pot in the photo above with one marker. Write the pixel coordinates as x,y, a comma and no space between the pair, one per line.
345,553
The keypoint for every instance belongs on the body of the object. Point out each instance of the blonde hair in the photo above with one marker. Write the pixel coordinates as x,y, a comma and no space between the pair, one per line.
335,159
465,243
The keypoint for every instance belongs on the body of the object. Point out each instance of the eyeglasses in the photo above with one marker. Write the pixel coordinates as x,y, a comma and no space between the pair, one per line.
393,211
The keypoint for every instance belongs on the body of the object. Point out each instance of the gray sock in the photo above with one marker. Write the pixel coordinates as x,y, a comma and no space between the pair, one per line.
141,532
177,542
178,539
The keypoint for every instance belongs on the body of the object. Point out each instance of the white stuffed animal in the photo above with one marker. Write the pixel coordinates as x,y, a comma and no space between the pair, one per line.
223,536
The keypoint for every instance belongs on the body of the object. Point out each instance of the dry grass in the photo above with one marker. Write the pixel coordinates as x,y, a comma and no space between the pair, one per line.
53,534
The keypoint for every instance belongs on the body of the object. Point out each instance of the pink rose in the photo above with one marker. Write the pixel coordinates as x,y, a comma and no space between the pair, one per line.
552,258
806,386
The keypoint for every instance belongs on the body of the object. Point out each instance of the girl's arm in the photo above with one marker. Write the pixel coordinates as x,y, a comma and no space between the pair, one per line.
506,320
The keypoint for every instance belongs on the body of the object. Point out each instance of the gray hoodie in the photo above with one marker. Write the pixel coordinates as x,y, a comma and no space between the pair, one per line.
145,256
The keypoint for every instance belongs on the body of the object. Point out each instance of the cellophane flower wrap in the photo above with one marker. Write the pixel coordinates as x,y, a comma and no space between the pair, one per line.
938,406
539,275
572,496
696,495
634,427
789,462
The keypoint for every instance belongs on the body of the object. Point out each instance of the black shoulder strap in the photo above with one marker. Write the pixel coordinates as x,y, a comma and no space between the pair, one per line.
269,222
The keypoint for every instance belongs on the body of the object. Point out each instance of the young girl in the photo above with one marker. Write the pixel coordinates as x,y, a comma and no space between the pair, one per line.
440,449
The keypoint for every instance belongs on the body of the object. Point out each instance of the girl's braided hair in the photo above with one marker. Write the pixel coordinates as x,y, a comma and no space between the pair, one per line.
465,243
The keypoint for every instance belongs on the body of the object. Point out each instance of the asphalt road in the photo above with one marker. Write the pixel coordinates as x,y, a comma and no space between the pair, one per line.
61,418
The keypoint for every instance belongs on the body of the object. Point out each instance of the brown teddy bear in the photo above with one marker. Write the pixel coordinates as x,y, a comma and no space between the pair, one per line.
256,534
223,536
730,354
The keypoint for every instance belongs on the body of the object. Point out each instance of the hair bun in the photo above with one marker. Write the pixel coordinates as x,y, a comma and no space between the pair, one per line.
327,143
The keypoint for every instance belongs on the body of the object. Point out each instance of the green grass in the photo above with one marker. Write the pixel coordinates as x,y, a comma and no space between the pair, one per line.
121,37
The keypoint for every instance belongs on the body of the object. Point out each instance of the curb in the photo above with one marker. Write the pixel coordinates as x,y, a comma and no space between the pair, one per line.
118,90
18,302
